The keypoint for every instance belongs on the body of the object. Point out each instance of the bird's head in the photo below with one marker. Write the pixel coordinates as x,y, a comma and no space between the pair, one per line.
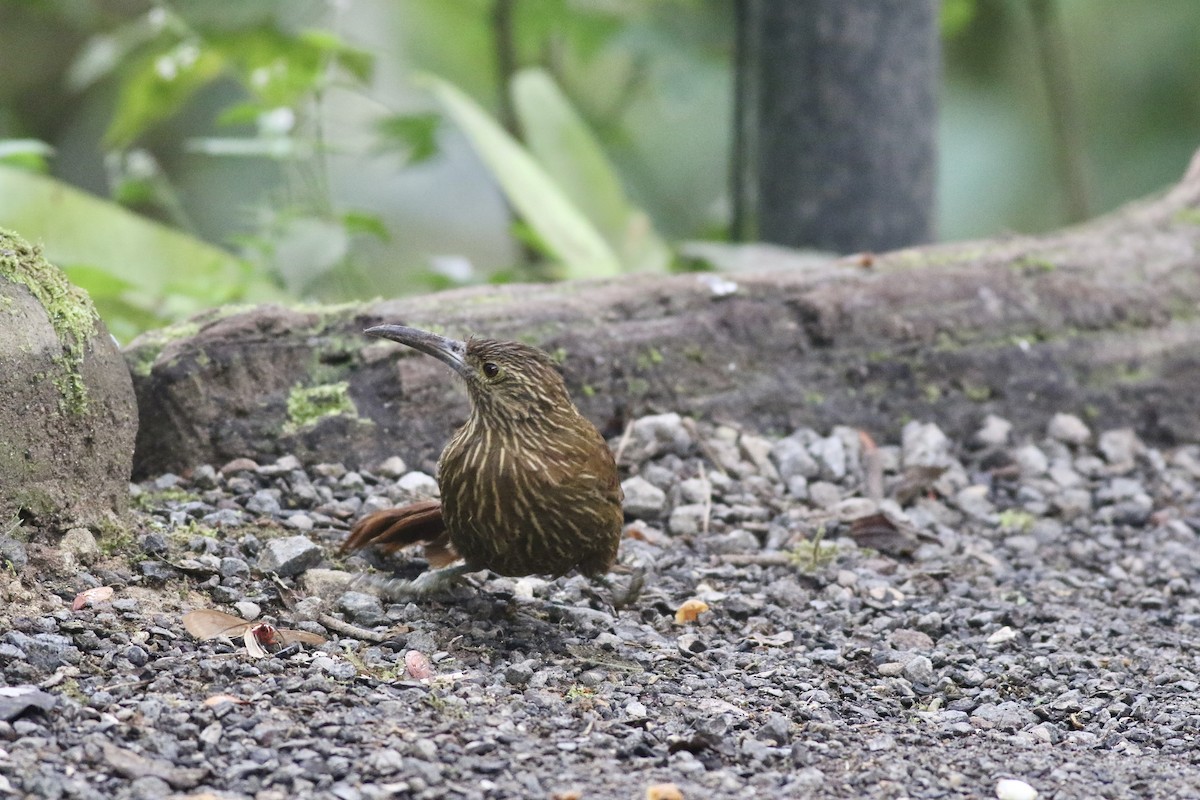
507,381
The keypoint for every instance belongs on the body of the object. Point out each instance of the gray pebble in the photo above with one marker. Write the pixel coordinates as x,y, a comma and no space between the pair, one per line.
239,465
830,455
418,485
1006,716
823,494
352,481
289,556
247,610
224,517
167,480
13,552
156,571
299,522
80,544
652,436
137,656
1068,429
1120,447
392,468
735,541
264,501
924,445
793,459
994,431
695,490
518,674
205,477
757,451
365,609
686,520
643,500
776,728
1031,461
233,567
973,501
919,671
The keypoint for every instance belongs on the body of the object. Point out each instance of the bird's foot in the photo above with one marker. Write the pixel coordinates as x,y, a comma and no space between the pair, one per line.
624,596
431,582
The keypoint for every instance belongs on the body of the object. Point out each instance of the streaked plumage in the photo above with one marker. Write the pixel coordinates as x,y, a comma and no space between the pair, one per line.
528,485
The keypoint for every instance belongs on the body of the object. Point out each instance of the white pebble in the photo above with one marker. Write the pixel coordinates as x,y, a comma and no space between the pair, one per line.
1005,634
1069,429
1012,789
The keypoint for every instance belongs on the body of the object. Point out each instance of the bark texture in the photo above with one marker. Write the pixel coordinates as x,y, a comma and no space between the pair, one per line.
1102,320
837,119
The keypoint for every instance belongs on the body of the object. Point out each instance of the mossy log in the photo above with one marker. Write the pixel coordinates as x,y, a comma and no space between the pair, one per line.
1102,320
67,413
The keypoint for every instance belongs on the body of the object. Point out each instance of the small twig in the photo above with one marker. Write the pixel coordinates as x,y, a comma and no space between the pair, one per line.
816,545
872,467
624,441
702,445
759,559
288,597
126,685
346,629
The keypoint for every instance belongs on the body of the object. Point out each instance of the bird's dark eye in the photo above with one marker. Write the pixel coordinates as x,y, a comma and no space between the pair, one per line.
491,370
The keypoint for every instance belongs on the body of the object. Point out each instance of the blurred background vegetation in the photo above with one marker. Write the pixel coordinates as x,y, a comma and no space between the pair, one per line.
173,156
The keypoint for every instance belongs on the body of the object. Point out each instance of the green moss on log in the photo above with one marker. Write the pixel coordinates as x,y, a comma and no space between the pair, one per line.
69,308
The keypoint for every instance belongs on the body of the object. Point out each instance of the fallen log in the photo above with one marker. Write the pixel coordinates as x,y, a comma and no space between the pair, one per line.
1102,320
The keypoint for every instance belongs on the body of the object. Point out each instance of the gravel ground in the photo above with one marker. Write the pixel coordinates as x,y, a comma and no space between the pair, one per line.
1022,610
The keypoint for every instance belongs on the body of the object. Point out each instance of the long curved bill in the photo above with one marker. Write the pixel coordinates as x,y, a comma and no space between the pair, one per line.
449,351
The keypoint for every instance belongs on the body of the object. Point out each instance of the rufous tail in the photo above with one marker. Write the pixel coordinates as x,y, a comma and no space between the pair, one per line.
394,528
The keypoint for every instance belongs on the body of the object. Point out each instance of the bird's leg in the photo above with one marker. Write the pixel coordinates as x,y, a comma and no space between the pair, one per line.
434,581
624,596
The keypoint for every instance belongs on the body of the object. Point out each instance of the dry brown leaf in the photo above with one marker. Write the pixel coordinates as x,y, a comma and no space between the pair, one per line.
291,636
880,532
663,791
690,611
417,665
90,597
217,699
208,623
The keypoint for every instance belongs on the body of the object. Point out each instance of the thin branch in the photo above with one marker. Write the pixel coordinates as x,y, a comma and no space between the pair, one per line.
1064,113
505,48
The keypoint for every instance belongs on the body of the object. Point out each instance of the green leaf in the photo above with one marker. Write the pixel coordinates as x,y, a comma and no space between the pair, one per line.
534,195
240,114
369,224
28,154
280,69
103,53
158,86
416,134
99,283
564,145
164,271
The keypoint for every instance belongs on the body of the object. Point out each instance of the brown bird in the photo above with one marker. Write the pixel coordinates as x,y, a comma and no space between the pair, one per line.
528,485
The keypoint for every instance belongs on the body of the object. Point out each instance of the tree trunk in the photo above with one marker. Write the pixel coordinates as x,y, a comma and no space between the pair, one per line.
836,119
1102,320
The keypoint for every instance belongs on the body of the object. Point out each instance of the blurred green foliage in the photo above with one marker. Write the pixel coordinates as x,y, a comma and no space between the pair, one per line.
275,149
